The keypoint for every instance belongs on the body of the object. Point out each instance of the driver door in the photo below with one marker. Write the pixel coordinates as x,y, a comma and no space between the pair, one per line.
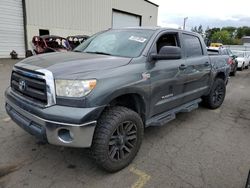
167,77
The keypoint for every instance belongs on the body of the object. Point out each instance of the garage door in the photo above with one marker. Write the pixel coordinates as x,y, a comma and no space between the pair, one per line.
11,28
121,19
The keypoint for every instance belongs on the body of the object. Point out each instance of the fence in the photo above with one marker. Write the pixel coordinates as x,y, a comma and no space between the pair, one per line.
239,47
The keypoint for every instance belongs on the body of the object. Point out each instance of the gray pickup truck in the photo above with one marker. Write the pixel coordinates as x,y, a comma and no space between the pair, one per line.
115,84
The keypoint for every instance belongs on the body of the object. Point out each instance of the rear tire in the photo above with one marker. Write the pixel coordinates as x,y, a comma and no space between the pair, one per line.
216,96
246,67
234,72
117,138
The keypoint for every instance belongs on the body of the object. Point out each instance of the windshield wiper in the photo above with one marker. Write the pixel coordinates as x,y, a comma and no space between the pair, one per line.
102,53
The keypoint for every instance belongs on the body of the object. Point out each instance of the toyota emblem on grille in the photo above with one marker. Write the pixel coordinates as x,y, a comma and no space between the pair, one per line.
22,85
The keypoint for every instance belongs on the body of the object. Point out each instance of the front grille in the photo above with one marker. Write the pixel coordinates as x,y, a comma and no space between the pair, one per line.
29,86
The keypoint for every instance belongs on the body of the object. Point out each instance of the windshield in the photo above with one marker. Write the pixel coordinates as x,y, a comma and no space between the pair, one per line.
125,43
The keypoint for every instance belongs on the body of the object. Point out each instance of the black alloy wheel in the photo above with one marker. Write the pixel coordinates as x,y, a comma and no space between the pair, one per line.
122,141
117,138
218,95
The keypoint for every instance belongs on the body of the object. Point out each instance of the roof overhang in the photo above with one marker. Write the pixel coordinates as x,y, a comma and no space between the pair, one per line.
152,3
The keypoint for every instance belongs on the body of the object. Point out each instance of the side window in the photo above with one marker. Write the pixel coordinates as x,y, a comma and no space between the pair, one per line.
224,52
229,52
170,39
192,45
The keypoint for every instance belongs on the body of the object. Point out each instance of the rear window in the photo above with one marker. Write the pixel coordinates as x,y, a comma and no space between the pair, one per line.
192,45
213,52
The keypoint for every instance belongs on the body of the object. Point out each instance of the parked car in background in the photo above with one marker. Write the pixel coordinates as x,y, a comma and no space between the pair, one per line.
216,45
76,40
242,58
232,60
50,43
248,56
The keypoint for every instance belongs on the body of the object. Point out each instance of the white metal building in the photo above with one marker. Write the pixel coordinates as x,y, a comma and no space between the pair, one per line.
20,20
11,28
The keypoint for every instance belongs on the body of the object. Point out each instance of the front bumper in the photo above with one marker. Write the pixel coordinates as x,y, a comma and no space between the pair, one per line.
240,63
58,125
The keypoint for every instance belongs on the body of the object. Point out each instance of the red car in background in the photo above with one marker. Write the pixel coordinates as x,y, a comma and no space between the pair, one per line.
50,43
76,40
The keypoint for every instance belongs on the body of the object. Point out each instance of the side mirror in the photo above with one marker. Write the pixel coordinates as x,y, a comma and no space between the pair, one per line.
167,53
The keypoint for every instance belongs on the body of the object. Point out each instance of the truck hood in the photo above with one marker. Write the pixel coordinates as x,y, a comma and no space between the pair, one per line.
71,63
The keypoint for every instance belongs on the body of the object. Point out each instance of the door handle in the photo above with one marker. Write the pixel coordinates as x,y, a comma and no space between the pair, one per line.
207,64
182,67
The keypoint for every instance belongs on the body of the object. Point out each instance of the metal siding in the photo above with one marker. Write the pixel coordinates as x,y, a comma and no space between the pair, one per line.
11,28
69,17
121,19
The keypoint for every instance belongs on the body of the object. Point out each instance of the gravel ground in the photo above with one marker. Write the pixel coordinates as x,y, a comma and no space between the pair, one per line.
204,148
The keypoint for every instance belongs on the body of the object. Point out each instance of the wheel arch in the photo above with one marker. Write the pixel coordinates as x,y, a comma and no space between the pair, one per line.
135,101
221,75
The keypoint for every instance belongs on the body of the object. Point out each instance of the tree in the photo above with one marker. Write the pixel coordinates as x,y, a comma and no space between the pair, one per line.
232,31
209,33
207,37
226,35
198,30
222,37
242,31
194,29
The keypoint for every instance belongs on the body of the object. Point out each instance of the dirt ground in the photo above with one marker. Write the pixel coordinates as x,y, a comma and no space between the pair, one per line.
204,148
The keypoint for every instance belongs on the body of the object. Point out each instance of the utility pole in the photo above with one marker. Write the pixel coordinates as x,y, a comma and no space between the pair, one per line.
184,24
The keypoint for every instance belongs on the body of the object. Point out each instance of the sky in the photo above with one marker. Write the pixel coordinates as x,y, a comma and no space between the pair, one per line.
208,13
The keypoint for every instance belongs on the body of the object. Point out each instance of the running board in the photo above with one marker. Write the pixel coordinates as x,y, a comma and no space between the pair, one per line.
168,116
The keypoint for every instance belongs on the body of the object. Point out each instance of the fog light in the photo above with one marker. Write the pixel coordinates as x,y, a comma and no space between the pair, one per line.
65,135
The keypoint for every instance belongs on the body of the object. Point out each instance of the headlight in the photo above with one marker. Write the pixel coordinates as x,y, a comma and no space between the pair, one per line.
74,88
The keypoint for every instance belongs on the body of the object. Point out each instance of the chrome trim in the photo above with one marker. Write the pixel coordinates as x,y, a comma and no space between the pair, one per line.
173,98
49,80
50,86
83,136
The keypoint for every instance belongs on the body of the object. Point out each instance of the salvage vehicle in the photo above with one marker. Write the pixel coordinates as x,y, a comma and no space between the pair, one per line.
49,43
76,40
232,61
242,58
114,85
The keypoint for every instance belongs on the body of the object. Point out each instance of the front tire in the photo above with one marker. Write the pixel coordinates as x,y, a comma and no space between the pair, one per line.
216,96
117,138
242,67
